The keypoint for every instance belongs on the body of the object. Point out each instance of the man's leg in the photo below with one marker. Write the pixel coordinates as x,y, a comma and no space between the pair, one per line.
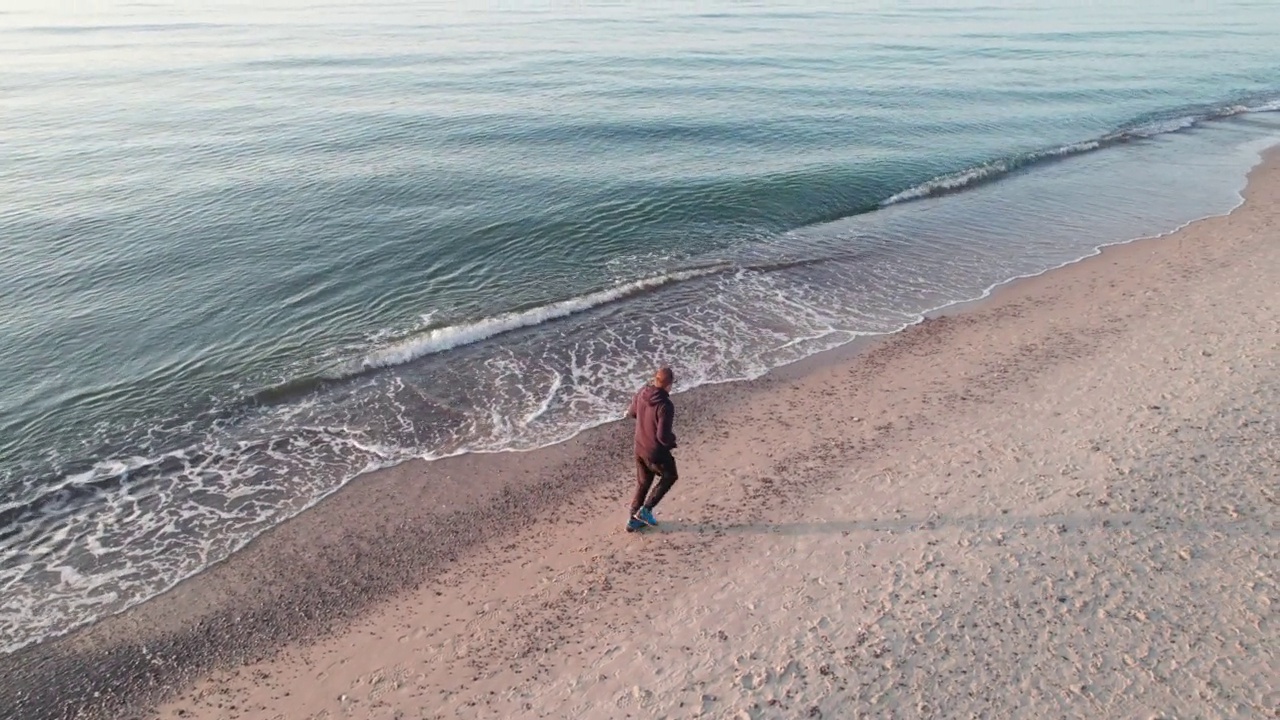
666,467
644,479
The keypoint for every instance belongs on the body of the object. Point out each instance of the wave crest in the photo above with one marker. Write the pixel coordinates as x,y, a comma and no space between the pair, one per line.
452,336
952,182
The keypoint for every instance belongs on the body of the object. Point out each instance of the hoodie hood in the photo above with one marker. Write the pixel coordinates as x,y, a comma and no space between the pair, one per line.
653,395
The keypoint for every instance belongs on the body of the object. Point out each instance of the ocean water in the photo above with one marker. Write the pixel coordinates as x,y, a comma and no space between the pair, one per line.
252,250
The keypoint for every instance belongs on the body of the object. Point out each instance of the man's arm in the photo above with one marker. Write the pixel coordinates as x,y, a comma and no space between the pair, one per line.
666,416
631,409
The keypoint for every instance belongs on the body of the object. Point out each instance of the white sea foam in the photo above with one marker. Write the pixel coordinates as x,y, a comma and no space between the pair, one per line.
452,336
556,383
950,181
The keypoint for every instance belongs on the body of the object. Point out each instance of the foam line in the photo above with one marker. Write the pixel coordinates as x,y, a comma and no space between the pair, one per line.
952,182
452,336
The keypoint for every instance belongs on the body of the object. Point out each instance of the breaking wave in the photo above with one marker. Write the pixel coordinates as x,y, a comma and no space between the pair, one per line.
452,336
993,169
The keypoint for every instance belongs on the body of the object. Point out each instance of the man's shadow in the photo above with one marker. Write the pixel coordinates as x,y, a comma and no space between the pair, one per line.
982,523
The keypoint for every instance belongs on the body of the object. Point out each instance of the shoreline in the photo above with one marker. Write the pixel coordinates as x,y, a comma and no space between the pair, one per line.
1223,190
854,346
396,535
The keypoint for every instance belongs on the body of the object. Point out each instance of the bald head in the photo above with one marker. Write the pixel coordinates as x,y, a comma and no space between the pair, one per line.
664,378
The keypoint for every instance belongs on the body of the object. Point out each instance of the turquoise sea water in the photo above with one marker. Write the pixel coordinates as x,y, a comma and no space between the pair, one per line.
252,250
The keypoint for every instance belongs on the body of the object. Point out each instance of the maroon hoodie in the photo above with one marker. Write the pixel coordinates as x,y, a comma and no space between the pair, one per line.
653,411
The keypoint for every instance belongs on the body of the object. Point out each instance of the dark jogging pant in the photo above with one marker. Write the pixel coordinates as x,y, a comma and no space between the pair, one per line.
662,465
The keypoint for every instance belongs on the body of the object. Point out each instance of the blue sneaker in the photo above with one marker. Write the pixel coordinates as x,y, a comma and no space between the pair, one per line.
634,525
645,515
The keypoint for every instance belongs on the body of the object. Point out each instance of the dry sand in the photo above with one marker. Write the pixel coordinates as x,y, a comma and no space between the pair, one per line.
1061,501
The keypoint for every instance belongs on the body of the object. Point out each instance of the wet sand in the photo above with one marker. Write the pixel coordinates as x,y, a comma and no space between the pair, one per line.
1060,499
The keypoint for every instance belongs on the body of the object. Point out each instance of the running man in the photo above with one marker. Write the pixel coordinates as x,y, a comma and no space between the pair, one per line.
654,413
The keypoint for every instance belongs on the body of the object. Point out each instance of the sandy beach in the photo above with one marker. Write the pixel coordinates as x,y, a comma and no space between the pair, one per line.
1059,501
